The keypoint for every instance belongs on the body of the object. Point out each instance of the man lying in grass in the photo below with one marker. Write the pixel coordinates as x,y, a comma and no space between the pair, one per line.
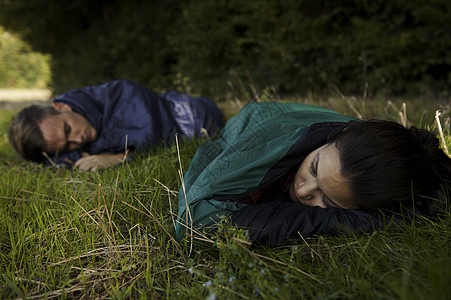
93,127
286,171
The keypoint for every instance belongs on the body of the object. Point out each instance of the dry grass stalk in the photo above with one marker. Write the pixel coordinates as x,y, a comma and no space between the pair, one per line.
348,102
189,219
130,237
101,251
403,114
110,227
49,159
86,213
255,93
149,214
32,193
311,249
205,132
107,229
169,200
365,91
126,151
439,126
196,234
260,258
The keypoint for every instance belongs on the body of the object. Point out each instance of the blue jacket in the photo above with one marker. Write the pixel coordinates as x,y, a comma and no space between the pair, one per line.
122,108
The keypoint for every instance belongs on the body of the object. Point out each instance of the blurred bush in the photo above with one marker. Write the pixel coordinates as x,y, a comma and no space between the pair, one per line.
20,67
303,45
295,46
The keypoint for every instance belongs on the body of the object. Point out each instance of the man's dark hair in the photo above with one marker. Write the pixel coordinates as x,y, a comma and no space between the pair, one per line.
386,163
24,133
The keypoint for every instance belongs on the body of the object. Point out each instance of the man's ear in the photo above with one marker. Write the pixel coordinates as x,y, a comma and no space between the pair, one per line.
61,107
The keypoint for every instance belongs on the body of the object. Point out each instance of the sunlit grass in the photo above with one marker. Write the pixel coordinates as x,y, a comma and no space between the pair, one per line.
110,235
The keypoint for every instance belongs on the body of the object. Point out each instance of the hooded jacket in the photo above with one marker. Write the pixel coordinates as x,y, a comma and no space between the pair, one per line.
255,148
125,113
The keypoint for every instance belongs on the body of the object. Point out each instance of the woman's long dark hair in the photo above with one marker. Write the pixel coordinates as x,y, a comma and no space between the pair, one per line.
386,163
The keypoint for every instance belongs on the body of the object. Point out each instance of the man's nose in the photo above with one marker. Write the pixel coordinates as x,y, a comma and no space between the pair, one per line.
76,138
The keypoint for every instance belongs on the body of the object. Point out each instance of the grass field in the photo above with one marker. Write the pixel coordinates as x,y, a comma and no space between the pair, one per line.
66,234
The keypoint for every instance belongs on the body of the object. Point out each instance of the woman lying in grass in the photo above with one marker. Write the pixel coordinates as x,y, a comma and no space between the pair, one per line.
286,171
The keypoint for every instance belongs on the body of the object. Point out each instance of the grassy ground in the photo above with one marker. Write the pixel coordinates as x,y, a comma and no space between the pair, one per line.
110,234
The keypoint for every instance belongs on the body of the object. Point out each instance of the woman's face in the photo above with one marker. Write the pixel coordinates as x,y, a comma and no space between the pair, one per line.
318,181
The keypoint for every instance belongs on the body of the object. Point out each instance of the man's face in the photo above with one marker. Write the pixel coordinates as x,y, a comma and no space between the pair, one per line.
66,131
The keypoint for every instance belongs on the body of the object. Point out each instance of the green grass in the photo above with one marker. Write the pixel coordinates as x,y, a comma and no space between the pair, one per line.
110,234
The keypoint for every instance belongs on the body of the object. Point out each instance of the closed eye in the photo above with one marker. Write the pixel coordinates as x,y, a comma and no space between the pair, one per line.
314,166
324,200
67,129
327,202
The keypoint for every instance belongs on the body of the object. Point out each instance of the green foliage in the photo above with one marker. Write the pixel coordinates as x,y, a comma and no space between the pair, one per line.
295,46
63,233
403,263
20,67
300,46
92,42
7,153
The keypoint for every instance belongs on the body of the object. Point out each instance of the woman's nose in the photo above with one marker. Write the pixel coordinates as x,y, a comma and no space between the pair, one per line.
307,190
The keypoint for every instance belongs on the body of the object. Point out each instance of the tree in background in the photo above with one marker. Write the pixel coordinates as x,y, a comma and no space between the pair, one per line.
20,67
92,42
308,45
296,46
